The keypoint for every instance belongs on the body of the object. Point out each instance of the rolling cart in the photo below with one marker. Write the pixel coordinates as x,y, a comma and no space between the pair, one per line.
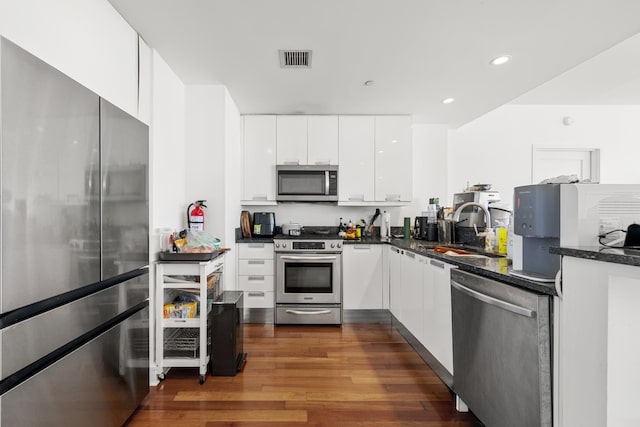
184,341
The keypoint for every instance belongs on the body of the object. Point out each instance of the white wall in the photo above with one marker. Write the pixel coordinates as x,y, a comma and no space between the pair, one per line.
429,180
213,163
496,148
167,150
205,152
85,39
233,183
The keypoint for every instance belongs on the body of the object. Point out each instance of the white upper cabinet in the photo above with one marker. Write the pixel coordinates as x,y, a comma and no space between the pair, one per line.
259,160
393,159
307,140
356,176
292,140
373,153
322,140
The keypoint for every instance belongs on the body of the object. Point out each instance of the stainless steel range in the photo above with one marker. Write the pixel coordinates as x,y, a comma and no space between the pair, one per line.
308,280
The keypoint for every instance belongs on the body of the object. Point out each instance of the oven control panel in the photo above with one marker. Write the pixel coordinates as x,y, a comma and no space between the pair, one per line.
284,245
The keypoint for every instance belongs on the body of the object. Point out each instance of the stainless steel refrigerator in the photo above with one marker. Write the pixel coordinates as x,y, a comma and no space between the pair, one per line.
74,251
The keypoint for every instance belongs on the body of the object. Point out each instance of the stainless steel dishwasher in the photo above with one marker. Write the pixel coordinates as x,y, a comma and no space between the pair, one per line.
501,351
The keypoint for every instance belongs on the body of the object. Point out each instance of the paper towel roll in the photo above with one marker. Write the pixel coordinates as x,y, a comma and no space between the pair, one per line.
386,221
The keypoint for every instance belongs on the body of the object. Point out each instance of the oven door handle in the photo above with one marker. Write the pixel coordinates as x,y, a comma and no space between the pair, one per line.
304,312
309,258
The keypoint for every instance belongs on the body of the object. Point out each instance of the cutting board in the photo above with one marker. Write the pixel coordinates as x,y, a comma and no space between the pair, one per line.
245,224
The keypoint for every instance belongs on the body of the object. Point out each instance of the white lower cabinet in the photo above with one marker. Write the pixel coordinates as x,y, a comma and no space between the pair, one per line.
437,334
256,274
362,277
420,299
395,282
411,299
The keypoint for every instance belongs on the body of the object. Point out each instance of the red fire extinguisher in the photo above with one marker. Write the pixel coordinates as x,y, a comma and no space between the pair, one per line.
195,216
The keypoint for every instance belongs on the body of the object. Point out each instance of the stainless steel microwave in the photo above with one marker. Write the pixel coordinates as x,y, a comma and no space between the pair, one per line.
302,183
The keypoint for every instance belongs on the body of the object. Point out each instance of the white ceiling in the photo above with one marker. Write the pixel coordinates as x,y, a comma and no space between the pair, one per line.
416,51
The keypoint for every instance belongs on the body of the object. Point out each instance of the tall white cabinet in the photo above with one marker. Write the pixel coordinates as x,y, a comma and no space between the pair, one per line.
322,140
356,138
393,159
291,140
307,140
259,160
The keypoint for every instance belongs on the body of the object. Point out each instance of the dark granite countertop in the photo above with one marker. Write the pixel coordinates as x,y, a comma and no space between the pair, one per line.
624,256
492,266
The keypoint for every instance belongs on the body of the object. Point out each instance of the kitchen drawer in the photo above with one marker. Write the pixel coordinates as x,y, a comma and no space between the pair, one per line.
255,283
255,251
258,299
308,314
255,267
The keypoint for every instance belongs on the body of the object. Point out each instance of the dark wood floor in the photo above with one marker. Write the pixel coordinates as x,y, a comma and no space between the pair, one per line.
356,375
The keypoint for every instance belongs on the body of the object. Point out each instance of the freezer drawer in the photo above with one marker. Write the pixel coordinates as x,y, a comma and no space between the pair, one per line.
308,314
99,384
56,327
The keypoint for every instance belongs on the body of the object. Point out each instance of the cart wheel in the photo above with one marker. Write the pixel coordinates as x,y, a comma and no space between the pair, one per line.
161,376
202,378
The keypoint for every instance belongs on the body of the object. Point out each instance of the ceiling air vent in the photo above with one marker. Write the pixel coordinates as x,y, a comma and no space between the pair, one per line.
295,58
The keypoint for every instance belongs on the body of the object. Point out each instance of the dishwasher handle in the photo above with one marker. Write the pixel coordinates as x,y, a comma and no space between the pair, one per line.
494,301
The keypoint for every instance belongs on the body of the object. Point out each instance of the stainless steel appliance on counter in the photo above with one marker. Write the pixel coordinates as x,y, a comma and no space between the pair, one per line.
501,351
586,214
308,287
264,224
307,183
74,253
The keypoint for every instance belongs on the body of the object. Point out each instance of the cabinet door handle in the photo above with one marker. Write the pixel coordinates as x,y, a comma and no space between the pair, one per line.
362,247
392,198
292,162
256,261
256,245
356,197
256,294
256,278
259,197
323,162
410,254
436,264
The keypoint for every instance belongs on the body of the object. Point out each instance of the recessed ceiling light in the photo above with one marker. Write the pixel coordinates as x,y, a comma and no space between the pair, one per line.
448,100
368,83
500,60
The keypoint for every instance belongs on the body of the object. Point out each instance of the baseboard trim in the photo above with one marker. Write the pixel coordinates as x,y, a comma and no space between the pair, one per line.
366,316
258,315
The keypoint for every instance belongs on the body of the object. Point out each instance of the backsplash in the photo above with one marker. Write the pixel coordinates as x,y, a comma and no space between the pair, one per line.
321,214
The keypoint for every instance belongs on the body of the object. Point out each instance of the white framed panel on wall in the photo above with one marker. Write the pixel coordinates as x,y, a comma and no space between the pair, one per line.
551,162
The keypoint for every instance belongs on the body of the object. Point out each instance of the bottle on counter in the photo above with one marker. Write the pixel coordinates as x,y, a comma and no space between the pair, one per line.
490,240
502,239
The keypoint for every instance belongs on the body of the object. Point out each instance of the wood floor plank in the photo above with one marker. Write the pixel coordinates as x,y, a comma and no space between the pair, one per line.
355,375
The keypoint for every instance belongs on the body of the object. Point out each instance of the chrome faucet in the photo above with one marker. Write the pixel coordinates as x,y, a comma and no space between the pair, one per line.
487,217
